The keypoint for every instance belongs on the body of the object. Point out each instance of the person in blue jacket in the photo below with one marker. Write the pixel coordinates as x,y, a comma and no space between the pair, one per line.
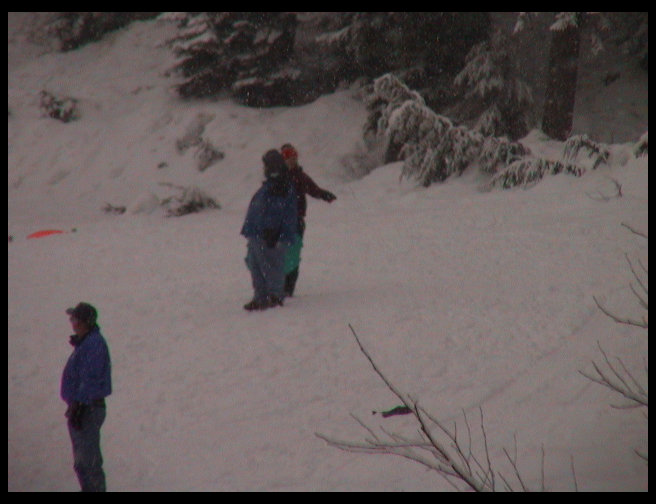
270,228
86,381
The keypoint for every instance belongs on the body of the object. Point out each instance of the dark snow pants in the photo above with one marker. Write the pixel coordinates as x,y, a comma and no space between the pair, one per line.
266,265
87,458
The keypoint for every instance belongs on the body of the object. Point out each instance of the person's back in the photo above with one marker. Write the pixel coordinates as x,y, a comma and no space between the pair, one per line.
303,184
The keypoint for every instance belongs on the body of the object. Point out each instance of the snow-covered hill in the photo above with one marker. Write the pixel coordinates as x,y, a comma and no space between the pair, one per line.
466,299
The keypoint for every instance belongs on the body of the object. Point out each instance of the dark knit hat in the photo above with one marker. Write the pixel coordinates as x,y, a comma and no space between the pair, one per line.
274,165
84,312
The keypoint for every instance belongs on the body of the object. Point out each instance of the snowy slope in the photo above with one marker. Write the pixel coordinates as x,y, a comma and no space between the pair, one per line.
465,298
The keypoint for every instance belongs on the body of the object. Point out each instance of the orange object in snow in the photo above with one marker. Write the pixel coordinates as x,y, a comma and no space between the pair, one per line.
46,232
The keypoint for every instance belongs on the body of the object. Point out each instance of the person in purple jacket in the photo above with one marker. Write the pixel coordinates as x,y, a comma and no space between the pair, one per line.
86,382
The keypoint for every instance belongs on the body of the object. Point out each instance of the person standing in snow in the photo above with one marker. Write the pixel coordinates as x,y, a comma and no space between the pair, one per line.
270,227
86,382
303,184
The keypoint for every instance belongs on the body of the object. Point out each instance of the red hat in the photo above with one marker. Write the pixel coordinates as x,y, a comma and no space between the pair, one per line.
288,151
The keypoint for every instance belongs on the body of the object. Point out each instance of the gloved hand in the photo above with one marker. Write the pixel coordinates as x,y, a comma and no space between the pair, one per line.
271,237
74,413
328,196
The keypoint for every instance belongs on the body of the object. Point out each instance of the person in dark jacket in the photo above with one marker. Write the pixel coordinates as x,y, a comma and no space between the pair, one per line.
270,227
303,184
86,382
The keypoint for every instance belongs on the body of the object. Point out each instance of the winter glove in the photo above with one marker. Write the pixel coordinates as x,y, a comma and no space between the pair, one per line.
271,237
74,413
328,196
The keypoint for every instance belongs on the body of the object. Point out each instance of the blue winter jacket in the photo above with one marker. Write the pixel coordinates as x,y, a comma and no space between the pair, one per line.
87,374
271,210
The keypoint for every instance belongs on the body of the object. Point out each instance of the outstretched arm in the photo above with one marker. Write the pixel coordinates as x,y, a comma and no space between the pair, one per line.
310,187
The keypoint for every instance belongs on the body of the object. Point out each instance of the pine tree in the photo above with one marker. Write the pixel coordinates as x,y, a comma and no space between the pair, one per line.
198,49
430,145
496,101
244,53
430,44
560,96
628,30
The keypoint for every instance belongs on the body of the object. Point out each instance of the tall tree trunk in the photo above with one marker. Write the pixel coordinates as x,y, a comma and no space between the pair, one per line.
561,85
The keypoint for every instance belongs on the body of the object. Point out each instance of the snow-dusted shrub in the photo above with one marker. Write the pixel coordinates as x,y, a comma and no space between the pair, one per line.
385,96
61,108
113,209
411,126
431,146
580,154
194,131
413,132
391,90
207,155
640,148
450,154
527,172
189,200
596,152
497,153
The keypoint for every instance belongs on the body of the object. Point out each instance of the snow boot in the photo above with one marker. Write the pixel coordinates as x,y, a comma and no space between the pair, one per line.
255,305
275,301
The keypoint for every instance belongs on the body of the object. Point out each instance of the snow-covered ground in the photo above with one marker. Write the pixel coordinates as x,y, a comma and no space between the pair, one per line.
464,298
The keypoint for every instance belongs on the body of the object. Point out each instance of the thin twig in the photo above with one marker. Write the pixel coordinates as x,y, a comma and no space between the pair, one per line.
642,324
513,463
576,484
639,233
635,393
542,467
396,392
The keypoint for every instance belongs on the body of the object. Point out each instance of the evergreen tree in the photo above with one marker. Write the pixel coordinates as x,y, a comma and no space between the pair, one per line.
494,100
560,96
630,32
198,49
429,44
431,147
244,53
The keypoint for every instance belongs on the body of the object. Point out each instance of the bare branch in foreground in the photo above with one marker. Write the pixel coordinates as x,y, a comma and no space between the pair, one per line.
639,233
438,448
616,376
619,380
643,324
